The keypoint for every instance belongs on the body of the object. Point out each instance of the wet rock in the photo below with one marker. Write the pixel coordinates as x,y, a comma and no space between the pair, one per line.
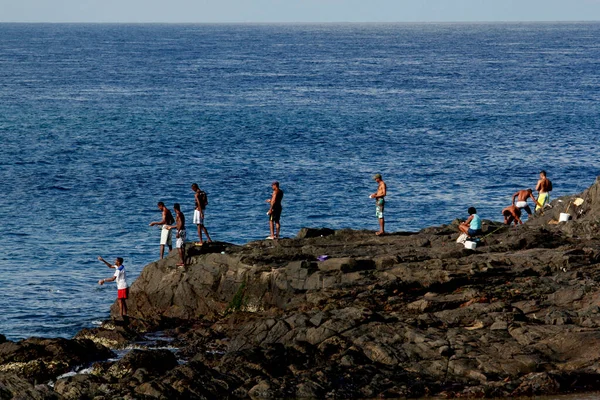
15,387
81,386
154,362
40,360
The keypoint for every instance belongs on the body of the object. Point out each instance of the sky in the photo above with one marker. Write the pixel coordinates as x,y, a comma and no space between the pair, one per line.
287,11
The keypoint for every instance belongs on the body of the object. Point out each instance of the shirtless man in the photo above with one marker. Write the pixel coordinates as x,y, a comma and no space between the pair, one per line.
543,187
522,196
512,214
379,197
180,235
274,212
201,202
165,233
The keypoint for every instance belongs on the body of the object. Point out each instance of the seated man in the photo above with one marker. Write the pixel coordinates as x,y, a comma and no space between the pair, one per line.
512,214
472,226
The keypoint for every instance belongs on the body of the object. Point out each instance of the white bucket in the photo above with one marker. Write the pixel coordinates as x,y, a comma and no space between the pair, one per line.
564,217
470,245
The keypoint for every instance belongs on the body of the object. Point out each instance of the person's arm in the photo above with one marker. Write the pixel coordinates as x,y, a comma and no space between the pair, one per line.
271,201
514,197
109,265
101,281
538,186
468,221
163,221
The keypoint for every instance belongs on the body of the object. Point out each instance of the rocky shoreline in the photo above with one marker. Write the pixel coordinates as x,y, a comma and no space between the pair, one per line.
346,314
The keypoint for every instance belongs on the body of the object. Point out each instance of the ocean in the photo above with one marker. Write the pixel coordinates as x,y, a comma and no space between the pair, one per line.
99,122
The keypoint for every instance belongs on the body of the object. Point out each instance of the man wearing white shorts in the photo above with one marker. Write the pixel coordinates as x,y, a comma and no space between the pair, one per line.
201,201
165,233
522,196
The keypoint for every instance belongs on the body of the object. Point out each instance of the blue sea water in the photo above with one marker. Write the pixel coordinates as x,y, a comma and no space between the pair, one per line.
99,122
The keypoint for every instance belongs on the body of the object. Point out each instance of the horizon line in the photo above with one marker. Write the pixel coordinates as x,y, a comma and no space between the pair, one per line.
305,22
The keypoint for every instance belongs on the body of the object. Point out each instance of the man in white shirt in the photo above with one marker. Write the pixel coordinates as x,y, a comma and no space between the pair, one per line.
122,289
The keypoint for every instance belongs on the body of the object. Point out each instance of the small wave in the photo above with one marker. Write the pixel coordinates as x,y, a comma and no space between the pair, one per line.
59,188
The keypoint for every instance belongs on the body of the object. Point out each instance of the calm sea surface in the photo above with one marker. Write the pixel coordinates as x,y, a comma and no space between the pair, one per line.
99,122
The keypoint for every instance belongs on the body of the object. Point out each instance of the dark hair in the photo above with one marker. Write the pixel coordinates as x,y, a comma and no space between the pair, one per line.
543,172
195,186
176,206
120,260
472,210
160,203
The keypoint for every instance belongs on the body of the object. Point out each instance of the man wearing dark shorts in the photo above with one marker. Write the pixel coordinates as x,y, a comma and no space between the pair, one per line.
274,212
181,233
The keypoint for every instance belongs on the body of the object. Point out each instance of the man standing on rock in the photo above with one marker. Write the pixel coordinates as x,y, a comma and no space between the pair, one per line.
522,196
201,200
165,233
122,288
543,187
379,197
181,234
274,212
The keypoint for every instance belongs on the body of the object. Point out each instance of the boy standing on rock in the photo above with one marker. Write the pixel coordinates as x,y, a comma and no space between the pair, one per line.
122,288
181,234
379,197
165,233
201,201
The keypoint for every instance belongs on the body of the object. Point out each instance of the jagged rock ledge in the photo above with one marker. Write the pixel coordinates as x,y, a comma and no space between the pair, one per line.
346,314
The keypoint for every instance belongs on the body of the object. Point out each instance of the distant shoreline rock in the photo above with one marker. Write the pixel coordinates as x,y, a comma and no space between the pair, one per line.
347,314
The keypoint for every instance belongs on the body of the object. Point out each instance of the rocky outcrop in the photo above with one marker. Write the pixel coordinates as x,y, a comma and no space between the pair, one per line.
347,314
40,360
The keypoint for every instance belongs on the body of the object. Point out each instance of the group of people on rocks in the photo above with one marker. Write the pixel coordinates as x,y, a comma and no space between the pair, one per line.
471,227
512,214
168,223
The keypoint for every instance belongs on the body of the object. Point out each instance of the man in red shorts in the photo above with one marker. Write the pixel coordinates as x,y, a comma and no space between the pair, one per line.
122,289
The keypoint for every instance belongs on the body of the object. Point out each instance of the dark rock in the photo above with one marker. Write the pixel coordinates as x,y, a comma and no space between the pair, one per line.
154,362
82,386
306,233
15,387
39,360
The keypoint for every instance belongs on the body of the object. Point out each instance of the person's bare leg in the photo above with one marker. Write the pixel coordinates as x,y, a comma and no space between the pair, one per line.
181,256
271,228
162,251
199,233
208,239
382,226
277,228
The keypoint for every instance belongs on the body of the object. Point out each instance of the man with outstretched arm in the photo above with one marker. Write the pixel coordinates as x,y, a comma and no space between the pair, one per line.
181,234
122,288
201,201
379,197
165,233
274,212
